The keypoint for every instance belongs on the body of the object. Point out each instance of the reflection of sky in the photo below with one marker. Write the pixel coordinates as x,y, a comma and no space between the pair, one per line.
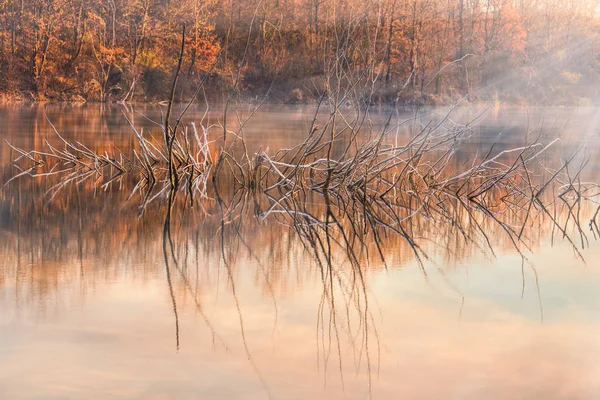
120,341
568,287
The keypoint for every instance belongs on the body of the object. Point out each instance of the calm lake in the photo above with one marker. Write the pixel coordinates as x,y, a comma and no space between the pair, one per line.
96,303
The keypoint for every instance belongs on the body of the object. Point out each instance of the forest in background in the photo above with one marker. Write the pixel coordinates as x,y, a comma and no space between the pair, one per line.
541,52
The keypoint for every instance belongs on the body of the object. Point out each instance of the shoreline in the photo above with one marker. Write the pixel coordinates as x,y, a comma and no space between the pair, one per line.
478,102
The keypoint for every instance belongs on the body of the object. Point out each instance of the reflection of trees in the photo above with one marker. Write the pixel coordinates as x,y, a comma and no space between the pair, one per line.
81,225
296,229
83,237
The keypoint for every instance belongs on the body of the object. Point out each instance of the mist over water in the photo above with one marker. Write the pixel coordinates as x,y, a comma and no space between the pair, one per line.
97,301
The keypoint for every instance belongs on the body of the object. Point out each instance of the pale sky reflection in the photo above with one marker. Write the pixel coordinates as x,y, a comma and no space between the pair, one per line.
119,342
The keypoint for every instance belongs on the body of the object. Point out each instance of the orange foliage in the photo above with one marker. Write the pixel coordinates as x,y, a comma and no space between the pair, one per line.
126,49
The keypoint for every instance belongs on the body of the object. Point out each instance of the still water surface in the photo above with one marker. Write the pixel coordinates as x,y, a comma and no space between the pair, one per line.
88,308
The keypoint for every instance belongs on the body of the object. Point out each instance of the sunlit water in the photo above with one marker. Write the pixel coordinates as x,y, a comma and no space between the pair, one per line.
88,308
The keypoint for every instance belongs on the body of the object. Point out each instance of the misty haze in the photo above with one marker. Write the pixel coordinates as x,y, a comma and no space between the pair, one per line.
300,199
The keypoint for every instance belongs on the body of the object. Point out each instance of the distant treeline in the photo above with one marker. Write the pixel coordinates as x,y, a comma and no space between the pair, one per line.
424,51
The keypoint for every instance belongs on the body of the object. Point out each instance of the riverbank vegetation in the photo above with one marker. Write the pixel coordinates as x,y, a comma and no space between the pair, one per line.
420,51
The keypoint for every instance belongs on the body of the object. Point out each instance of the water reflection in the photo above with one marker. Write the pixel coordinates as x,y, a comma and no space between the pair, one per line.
231,301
